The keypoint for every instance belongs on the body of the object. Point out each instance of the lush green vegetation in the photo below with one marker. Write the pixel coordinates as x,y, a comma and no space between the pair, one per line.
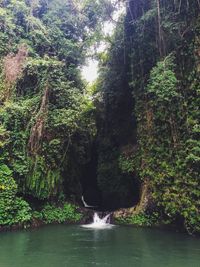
13,209
46,115
138,124
140,219
155,58
53,214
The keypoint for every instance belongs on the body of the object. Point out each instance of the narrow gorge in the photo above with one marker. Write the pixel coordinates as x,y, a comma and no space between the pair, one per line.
128,142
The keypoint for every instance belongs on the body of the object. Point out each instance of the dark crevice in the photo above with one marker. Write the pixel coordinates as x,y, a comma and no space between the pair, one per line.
90,190
103,200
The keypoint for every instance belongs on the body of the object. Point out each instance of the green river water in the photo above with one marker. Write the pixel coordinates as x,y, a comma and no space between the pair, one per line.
74,246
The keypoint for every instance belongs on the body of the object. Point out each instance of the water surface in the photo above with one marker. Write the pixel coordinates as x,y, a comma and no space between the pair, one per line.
74,246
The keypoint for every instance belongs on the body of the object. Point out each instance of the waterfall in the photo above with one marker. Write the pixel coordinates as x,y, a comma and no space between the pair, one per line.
85,204
99,223
98,220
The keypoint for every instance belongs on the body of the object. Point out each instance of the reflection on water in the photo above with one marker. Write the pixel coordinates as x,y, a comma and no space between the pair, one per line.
73,246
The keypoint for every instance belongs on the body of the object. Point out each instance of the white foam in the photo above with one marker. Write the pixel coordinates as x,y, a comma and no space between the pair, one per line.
99,223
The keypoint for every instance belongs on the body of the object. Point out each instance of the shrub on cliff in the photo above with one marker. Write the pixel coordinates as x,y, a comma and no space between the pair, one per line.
13,209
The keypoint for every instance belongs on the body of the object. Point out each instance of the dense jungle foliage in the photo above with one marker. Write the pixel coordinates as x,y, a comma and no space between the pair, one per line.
47,121
130,139
155,60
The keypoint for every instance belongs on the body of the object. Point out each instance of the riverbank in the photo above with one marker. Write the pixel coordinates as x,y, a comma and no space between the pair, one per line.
71,214
65,213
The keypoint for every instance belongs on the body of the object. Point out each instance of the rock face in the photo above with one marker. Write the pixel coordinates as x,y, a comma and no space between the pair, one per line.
141,207
159,70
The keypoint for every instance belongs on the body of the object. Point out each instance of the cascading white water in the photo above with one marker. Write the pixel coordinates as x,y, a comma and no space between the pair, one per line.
99,223
97,220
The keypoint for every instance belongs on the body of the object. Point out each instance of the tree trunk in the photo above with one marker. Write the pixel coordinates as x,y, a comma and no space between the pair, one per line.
161,45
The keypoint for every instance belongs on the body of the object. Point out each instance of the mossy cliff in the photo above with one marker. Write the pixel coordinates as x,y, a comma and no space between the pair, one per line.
47,125
154,60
